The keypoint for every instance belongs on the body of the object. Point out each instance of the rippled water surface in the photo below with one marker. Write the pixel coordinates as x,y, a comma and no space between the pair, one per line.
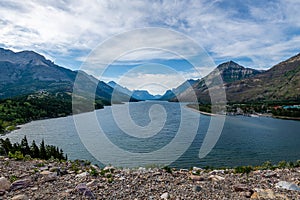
243,141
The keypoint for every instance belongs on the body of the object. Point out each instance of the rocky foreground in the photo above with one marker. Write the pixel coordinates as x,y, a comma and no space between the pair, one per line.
38,179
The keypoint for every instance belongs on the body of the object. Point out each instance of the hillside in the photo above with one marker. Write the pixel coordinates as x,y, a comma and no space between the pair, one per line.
280,83
27,72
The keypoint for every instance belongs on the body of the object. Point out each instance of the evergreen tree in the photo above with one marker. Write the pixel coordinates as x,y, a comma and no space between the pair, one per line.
35,152
24,146
43,153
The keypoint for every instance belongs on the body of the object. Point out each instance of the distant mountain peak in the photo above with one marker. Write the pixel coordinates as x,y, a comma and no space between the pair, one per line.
230,64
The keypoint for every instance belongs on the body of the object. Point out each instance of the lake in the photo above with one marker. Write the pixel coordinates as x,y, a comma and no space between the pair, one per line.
153,132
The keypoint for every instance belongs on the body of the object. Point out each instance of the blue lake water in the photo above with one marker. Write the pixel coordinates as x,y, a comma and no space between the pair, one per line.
147,133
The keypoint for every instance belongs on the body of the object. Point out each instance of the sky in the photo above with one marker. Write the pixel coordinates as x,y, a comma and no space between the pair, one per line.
253,33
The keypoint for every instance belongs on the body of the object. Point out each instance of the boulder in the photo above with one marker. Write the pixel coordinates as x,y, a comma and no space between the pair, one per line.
4,184
19,184
287,185
196,178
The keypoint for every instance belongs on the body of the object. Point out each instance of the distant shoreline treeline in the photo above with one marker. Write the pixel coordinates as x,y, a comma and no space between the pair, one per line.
42,105
276,110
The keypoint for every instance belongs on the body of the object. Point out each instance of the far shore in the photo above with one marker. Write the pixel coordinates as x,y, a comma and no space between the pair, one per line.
260,115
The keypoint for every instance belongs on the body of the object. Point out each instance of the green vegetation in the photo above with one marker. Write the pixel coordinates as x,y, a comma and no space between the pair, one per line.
41,105
24,151
168,169
267,166
276,109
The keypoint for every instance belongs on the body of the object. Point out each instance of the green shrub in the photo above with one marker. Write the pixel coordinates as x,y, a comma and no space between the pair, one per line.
282,164
243,169
17,155
94,172
167,169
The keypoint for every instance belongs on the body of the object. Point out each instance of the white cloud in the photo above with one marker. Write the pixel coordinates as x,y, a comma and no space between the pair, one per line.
264,32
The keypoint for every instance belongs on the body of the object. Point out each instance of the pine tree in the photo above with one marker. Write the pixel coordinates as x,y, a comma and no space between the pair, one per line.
43,153
35,152
24,146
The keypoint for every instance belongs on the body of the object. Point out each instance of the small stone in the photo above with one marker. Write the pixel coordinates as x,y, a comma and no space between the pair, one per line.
216,178
34,188
46,172
197,169
82,188
91,183
4,183
165,196
263,194
247,194
20,197
109,168
183,170
2,192
81,175
196,188
50,177
270,174
240,188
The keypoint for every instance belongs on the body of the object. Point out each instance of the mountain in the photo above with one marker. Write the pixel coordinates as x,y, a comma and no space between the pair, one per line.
144,95
136,94
28,72
119,88
171,94
280,83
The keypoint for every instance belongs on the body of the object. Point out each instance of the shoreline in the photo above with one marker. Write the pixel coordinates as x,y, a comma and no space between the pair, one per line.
201,112
259,115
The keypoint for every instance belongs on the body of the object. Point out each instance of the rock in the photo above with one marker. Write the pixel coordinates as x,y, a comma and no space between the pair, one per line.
83,174
109,168
196,178
46,172
216,178
34,188
4,184
82,188
19,184
44,168
20,197
183,170
2,192
216,171
50,177
197,169
165,196
91,183
248,194
240,188
196,188
270,174
287,185
263,194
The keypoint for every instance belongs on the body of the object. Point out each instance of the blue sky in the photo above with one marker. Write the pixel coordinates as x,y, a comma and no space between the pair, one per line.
254,33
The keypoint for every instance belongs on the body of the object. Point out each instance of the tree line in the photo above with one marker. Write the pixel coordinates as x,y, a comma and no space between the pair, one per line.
36,106
23,150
